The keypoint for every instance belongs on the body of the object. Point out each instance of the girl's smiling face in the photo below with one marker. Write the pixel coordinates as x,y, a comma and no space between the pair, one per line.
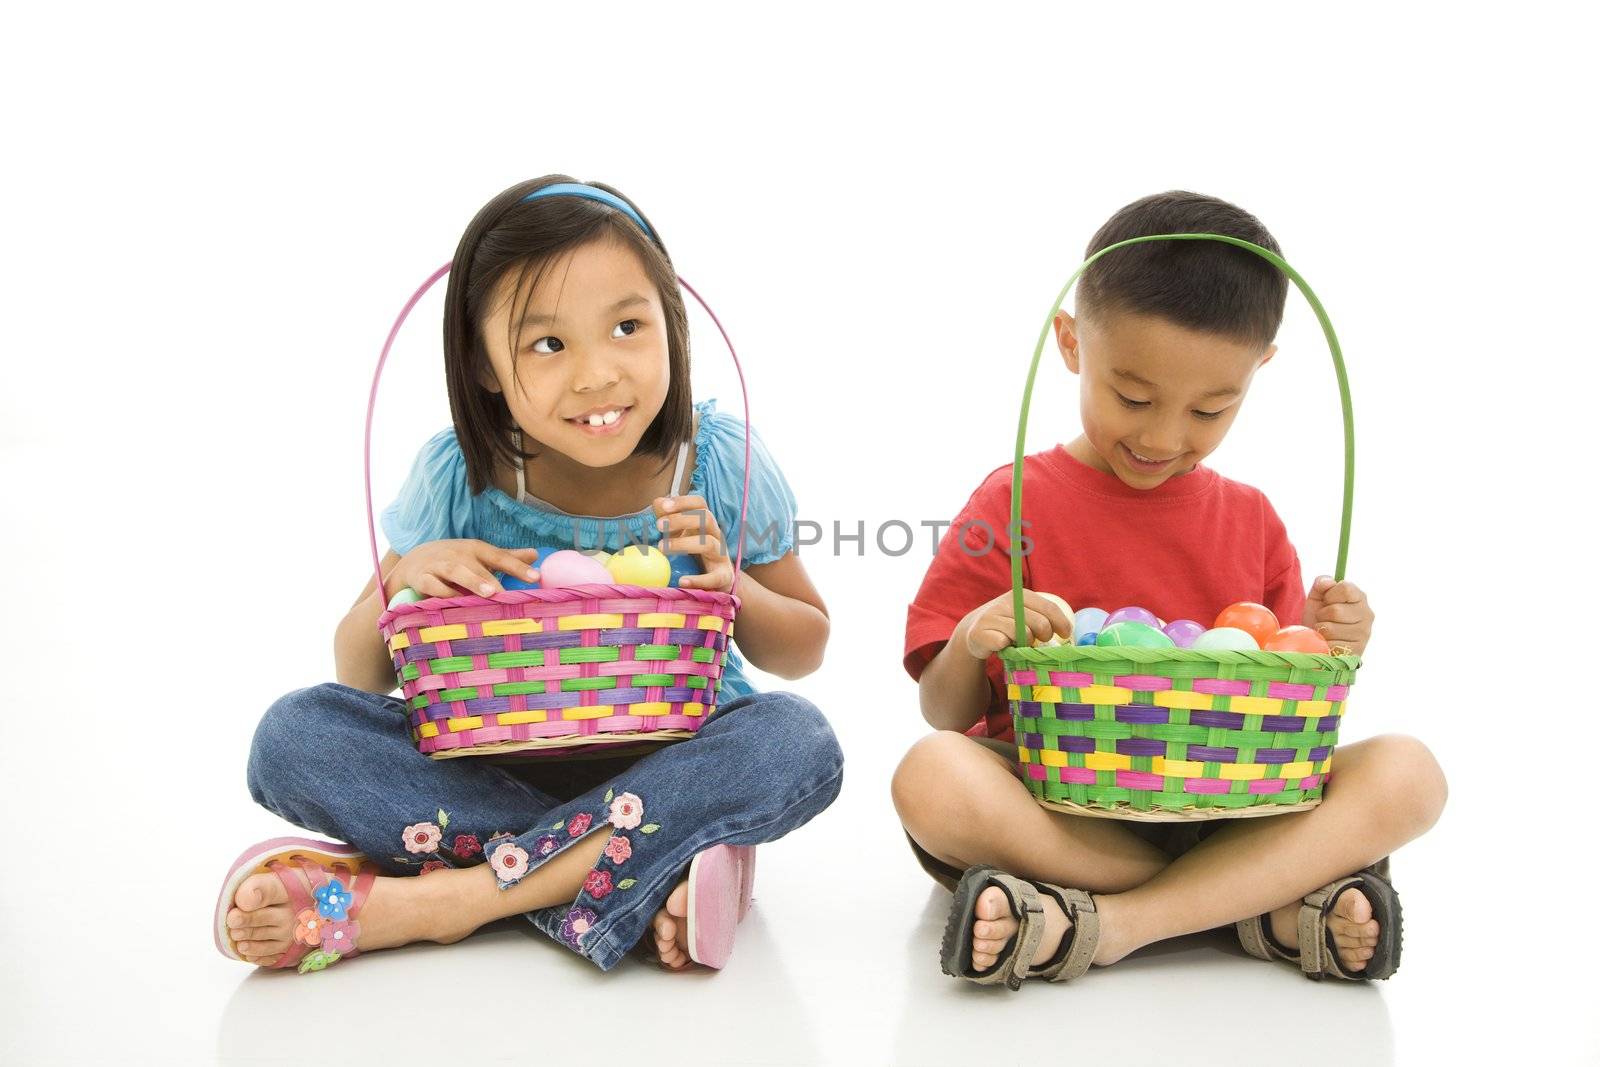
1157,398
582,357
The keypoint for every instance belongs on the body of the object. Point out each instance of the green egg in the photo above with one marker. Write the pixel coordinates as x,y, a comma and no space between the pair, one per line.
407,595
1133,635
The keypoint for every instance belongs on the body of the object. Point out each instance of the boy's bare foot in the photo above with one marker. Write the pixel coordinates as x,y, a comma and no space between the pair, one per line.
397,911
670,928
1355,932
994,925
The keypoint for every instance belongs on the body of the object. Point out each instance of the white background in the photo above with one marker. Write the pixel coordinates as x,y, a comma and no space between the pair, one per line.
211,216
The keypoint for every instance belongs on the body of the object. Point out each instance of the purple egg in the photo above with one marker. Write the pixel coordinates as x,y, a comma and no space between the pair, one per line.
1183,632
1132,615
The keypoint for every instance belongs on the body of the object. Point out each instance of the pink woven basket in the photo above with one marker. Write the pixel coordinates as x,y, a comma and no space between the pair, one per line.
562,672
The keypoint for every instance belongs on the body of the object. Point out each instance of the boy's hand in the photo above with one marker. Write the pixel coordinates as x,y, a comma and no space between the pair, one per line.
993,626
449,568
688,528
1340,613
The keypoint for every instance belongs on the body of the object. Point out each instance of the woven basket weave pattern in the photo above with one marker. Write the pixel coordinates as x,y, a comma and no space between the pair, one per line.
1176,730
559,664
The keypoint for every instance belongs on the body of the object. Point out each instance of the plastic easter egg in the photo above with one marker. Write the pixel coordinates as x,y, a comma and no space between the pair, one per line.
640,565
600,556
568,568
1225,639
1132,614
1132,635
1183,631
508,582
1057,639
1297,639
1089,620
407,595
1254,619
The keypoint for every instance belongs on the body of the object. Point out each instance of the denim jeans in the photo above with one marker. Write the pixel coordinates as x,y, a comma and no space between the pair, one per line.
340,762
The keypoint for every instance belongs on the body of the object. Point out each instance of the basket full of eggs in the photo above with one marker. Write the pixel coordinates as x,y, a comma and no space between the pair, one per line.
1136,718
604,653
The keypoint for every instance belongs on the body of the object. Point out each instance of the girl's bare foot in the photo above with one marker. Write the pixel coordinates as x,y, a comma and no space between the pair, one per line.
397,911
1355,932
670,928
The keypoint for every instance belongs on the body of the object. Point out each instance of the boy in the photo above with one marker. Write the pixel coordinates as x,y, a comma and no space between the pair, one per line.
1167,338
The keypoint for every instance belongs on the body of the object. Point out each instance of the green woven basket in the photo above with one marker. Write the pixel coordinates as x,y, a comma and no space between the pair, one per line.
1167,734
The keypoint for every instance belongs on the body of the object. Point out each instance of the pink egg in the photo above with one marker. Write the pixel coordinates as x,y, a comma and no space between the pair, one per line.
1183,631
567,567
1132,614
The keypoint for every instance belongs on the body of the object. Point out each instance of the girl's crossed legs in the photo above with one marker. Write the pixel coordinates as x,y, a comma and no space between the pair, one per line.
593,872
961,801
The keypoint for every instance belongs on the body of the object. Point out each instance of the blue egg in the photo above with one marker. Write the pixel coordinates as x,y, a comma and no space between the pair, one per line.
1087,639
1089,621
507,582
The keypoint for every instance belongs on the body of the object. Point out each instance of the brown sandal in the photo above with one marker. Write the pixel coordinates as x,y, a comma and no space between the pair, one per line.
1070,961
1322,961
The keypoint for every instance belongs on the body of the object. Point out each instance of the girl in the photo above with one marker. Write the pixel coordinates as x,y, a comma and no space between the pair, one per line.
567,365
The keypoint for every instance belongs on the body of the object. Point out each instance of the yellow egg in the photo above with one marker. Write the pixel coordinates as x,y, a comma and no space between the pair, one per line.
640,565
1058,639
600,556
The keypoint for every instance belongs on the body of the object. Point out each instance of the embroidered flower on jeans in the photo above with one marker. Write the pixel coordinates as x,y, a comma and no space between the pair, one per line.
580,824
546,846
578,922
308,927
333,900
598,884
626,811
466,845
339,936
421,837
432,865
509,862
618,849
316,960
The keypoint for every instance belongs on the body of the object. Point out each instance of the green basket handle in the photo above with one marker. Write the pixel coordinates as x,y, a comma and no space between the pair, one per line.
1033,370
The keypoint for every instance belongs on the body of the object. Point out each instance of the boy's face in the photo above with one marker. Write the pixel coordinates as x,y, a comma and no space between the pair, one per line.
1157,398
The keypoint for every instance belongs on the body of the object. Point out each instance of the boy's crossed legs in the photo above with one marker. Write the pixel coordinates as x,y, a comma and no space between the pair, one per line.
962,802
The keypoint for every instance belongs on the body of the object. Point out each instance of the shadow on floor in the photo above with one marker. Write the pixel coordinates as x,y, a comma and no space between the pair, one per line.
510,983
1195,1000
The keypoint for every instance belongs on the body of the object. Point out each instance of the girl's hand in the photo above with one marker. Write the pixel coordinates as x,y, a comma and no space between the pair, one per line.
449,568
993,626
688,528
1340,613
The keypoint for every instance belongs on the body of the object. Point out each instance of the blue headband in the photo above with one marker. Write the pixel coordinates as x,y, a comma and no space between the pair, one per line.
589,192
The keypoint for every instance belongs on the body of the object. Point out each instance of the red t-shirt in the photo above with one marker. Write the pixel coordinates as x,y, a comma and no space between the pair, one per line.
1185,550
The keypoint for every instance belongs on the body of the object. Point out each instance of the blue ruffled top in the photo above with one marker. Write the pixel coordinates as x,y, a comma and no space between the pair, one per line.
436,504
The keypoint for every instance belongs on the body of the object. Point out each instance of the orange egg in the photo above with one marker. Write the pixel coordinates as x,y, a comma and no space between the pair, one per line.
1296,639
1257,620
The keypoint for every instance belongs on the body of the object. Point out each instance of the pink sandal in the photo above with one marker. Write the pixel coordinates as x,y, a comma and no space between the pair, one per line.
721,880
325,919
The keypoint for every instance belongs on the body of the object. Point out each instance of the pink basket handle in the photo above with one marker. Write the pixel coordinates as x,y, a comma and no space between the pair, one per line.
372,403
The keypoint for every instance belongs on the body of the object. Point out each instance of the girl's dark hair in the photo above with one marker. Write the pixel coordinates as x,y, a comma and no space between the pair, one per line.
1202,285
510,235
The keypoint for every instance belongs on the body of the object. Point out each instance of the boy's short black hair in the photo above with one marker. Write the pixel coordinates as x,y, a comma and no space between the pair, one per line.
1201,285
